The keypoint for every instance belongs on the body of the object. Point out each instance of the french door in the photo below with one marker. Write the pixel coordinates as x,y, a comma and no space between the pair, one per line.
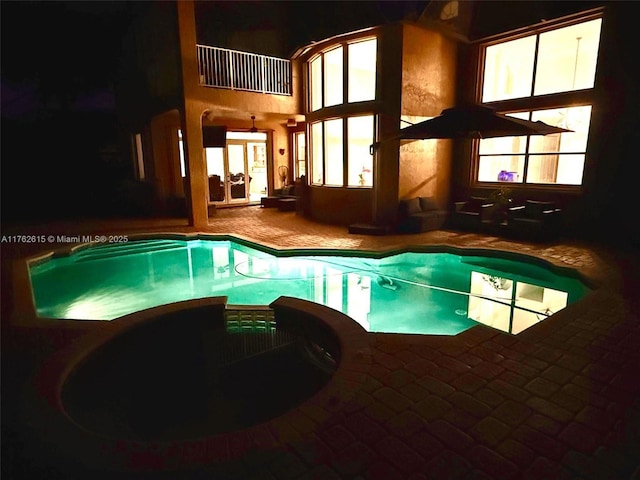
237,173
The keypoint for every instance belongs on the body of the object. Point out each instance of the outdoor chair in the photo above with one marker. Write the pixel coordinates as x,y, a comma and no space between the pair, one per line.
471,214
535,220
420,214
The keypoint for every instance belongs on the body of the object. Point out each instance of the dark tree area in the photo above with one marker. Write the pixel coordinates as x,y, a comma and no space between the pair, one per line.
60,155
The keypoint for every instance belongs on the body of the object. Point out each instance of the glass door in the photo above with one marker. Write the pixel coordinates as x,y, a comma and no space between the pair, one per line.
217,174
238,173
237,178
227,172
257,162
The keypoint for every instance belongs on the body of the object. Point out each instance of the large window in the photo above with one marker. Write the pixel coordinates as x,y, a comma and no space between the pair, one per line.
520,72
317,153
332,157
550,159
360,137
327,71
565,61
332,80
342,75
362,71
299,160
333,148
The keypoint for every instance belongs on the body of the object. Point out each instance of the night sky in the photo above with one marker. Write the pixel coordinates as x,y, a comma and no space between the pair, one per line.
58,71
61,53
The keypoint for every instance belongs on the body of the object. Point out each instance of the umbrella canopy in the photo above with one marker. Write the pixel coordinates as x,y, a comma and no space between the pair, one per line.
475,121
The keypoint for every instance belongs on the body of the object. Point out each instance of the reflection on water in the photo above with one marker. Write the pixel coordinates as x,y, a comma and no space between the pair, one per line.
422,293
510,305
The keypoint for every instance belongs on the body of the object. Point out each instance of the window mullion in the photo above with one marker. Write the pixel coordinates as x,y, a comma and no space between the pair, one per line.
345,73
322,85
324,154
535,65
525,167
345,97
345,153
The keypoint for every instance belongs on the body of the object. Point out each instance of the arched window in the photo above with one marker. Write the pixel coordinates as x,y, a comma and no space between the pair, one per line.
341,78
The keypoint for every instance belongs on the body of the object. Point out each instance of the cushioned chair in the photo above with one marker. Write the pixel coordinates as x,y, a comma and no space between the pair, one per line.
420,214
238,185
471,214
274,201
216,188
535,220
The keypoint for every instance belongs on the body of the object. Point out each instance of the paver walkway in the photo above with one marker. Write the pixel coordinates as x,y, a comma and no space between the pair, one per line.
559,401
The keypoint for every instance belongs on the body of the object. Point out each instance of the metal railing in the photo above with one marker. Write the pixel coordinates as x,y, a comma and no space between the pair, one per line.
224,68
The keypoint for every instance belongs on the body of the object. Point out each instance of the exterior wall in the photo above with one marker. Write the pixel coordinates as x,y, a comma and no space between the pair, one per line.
277,138
344,205
247,103
386,162
340,206
416,76
230,108
594,211
165,156
604,211
428,87
160,88
191,120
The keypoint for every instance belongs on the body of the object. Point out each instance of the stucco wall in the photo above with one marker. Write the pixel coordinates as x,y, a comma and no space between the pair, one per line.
164,155
428,87
340,206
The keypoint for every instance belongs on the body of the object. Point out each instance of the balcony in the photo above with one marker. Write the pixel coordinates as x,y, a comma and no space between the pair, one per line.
234,70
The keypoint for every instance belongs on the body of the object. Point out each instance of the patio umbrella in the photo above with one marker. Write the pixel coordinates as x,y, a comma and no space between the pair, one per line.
475,121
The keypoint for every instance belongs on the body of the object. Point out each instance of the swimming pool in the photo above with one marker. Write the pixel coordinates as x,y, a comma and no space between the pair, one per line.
405,292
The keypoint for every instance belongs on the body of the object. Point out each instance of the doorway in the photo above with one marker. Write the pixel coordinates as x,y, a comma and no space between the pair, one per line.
238,172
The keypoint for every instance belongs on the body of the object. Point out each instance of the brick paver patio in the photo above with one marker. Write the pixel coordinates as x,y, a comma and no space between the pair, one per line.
559,401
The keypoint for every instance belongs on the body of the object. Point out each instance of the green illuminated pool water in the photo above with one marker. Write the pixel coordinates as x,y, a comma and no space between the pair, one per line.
421,293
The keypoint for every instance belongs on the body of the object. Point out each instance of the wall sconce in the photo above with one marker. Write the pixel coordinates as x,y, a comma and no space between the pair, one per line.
281,151
291,122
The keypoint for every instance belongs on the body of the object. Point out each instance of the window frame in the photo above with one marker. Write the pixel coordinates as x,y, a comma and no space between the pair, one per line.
345,150
343,111
319,56
532,103
527,153
297,161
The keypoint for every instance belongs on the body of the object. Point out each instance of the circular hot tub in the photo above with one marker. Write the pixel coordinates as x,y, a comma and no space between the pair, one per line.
188,375
173,388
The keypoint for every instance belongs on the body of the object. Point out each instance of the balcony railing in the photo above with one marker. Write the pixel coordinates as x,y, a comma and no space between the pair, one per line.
223,68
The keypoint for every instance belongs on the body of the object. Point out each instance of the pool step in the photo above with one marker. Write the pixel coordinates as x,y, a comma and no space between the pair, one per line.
250,331
235,347
249,318
99,252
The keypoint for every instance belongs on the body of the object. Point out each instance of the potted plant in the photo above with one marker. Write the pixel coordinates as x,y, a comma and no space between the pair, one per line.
502,201
283,171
